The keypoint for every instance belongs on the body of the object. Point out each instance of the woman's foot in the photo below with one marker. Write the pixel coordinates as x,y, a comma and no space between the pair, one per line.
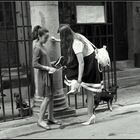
43,124
90,121
53,121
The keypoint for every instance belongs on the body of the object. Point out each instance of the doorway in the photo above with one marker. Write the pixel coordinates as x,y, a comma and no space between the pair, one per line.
7,46
120,30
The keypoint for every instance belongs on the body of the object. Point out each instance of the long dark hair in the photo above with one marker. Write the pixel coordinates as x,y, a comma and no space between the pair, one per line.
67,38
38,31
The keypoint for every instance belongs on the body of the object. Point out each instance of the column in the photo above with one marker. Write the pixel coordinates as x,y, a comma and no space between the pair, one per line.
45,13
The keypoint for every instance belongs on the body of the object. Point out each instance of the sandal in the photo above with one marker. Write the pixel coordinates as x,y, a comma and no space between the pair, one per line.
44,126
54,122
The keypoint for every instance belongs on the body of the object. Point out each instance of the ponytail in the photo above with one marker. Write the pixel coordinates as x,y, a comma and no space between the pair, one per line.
35,32
38,31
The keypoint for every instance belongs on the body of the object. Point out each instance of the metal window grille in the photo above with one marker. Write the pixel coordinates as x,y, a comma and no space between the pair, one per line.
15,60
98,34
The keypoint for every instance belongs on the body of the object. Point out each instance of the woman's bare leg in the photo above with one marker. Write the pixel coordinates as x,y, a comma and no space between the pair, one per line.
51,118
36,82
90,105
43,108
50,109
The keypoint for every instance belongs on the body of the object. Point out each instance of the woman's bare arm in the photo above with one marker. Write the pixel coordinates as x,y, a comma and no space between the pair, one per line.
81,66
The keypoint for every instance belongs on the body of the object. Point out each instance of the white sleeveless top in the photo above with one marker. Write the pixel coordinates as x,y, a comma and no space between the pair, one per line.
79,47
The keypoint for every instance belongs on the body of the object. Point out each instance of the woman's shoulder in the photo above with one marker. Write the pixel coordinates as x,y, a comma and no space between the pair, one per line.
36,47
77,42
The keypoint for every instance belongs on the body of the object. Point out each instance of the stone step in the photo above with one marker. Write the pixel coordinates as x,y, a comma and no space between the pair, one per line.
128,72
128,81
127,77
60,95
56,100
60,103
64,113
124,64
56,109
15,81
13,71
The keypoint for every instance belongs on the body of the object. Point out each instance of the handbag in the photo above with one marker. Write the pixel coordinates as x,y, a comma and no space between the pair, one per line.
101,54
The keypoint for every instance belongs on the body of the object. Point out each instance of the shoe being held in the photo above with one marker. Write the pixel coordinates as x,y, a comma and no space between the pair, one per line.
59,63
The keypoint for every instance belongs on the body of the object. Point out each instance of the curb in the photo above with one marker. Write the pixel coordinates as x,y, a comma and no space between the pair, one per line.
31,129
28,129
28,125
18,123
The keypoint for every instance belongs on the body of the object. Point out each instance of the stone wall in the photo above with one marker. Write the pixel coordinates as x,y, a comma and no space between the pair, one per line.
133,23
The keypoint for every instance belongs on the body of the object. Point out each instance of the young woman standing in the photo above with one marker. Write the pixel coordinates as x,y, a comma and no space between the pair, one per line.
41,61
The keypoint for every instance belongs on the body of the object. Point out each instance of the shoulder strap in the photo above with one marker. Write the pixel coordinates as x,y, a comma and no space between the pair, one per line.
82,39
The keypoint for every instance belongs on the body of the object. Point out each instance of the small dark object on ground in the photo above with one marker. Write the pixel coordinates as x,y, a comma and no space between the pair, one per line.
20,103
22,106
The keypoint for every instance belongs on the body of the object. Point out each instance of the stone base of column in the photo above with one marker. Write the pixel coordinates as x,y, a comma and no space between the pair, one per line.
61,109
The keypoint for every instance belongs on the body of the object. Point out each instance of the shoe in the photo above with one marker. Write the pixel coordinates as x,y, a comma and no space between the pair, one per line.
44,126
59,62
90,121
54,122
72,92
74,87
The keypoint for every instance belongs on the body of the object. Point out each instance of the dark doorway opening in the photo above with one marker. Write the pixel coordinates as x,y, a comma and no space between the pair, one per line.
120,30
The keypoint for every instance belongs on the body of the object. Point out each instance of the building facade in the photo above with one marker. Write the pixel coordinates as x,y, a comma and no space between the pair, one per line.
121,24
115,24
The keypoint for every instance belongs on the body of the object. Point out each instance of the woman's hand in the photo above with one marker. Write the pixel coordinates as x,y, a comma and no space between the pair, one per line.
52,70
76,85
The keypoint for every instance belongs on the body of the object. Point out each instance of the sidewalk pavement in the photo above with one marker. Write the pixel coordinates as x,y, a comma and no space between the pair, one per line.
128,100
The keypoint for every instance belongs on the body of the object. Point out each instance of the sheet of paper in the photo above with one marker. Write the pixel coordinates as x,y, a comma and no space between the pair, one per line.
90,14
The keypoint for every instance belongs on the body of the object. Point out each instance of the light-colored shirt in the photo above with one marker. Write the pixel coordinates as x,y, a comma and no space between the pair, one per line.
79,47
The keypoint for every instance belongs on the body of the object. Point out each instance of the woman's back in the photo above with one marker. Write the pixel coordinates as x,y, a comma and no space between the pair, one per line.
81,43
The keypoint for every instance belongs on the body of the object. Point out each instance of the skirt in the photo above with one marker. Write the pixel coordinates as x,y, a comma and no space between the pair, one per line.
91,72
92,79
44,87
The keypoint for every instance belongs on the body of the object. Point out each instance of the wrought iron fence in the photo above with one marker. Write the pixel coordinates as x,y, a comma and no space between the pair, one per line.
15,60
16,54
98,34
78,100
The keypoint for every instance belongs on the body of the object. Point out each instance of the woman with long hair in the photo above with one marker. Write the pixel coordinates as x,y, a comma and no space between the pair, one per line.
81,65
41,61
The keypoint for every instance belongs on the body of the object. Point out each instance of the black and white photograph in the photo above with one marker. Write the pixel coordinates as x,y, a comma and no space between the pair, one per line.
70,69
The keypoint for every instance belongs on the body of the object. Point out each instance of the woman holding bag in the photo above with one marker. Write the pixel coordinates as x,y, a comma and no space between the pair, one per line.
81,65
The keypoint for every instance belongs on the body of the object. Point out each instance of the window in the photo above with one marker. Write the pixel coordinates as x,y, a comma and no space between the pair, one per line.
6,14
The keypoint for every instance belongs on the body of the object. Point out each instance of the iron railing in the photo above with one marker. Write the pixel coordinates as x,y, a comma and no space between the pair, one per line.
99,35
15,60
